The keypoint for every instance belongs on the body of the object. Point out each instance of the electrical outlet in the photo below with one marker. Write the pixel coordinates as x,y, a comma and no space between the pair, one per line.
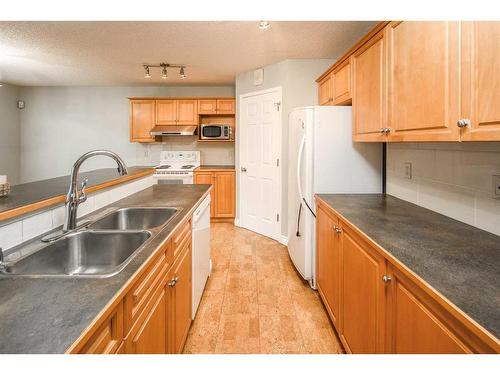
408,170
496,186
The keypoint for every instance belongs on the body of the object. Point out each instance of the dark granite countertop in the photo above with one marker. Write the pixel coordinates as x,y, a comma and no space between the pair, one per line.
46,315
458,260
33,192
208,166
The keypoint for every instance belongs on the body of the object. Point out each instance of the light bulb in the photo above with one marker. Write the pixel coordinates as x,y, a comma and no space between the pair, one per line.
181,73
147,75
164,73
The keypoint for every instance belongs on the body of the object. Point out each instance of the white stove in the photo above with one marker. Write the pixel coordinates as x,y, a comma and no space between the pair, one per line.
176,167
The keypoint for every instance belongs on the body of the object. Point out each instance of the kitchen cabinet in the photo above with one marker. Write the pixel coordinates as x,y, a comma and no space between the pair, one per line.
177,112
325,91
142,120
181,294
362,294
342,84
368,90
328,266
107,338
379,306
149,335
216,106
223,192
480,61
413,326
423,80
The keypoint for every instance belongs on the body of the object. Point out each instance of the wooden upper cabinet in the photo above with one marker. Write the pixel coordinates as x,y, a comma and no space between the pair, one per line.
481,80
325,91
342,84
207,106
363,295
413,328
187,112
225,194
423,80
166,112
368,90
225,106
142,120
328,263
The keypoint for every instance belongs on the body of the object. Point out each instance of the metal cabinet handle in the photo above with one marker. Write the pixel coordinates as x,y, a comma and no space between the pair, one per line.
172,282
385,130
337,229
243,169
386,279
463,122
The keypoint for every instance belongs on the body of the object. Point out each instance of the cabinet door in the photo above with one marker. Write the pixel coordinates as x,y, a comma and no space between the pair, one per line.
413,327
207,178
149,335
225,106
363,295
181,300
224,194
423,81
166,112
368,90
328,263
325,91
142,120
187,112
481,80
342,84
207,106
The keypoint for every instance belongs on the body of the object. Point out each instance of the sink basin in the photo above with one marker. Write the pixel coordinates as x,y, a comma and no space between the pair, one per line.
134,218
83,253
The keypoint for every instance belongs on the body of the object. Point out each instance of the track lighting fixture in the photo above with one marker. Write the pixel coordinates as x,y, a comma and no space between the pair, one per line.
164,66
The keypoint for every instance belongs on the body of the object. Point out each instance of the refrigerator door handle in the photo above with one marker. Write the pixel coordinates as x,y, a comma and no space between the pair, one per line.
299,163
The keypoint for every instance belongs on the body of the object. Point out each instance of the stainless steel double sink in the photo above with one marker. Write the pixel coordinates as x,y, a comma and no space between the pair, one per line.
103,248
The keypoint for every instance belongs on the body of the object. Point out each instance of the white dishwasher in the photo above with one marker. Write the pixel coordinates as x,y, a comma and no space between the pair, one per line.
201,251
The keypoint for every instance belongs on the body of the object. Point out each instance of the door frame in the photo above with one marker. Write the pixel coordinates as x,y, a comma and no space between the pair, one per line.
277,89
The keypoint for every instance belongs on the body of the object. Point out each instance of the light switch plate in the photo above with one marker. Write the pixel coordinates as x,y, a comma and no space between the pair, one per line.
496,186
408,173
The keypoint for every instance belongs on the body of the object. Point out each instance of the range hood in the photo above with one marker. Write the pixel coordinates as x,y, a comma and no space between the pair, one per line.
163,130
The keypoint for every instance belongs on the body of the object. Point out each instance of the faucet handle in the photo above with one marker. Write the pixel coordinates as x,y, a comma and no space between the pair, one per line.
83,197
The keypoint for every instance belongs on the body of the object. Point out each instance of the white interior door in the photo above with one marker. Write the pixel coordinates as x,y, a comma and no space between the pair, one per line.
260,149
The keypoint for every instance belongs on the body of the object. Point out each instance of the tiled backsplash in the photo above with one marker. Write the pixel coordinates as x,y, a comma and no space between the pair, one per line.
29,227
454,179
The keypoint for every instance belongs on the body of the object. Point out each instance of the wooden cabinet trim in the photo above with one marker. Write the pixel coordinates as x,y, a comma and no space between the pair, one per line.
477,336
342,97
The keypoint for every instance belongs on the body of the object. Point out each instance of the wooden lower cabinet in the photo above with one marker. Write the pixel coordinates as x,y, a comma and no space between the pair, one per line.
149,335
223,194
181,294
362,295
328,262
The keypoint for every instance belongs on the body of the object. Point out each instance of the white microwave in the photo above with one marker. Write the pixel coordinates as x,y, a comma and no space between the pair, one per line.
215,131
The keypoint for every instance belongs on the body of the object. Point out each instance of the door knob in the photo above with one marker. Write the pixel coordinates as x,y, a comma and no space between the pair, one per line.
243,169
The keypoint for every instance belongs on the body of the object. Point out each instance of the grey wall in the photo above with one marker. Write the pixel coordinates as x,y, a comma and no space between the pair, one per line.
297,80
61,123
10,155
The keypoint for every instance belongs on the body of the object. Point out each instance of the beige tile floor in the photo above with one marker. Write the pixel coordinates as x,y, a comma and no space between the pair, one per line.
255,302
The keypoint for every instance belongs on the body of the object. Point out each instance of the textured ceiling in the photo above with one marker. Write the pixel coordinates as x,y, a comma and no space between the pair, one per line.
112,53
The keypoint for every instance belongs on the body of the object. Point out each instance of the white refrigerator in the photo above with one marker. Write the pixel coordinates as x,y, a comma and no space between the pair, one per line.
323,159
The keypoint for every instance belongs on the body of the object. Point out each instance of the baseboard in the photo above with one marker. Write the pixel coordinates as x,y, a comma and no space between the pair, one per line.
237,222
283,240
222,220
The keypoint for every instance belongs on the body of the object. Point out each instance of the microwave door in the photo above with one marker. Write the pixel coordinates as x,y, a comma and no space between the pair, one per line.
212,131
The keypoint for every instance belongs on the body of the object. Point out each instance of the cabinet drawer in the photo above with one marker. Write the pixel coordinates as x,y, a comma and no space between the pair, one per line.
140,293
108,337
181,238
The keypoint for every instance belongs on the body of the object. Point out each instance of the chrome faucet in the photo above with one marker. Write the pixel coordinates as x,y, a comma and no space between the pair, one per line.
75,197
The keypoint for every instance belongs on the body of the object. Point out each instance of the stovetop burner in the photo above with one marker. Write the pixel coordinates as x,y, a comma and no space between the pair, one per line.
165,166
189,166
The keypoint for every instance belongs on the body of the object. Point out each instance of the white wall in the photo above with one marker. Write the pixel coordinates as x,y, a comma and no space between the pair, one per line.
454,179
297,80
61,123
10,155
